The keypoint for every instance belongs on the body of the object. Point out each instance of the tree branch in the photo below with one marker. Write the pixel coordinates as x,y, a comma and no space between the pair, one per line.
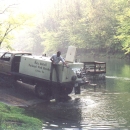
7,8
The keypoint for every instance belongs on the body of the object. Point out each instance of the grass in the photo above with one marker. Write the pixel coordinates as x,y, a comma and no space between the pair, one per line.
14,118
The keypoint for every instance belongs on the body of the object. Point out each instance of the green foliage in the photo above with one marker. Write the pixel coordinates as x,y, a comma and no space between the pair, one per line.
90,24
123,33
14,118
85,24
10,22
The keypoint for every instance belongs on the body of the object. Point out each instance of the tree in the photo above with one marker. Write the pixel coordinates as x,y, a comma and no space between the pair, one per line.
123,17
9,23
90,24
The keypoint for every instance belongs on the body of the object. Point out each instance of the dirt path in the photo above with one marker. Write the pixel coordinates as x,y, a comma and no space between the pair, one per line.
22,96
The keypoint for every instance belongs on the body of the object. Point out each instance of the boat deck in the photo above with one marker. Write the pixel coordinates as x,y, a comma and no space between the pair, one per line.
94,68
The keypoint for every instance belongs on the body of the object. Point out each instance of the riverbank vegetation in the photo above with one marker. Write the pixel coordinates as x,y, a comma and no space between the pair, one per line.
101,26
98,26
15,118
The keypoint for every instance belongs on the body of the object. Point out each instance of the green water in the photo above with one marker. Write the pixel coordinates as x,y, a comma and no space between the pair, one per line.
104,107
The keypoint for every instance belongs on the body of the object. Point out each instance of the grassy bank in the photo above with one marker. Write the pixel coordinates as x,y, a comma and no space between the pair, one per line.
15,118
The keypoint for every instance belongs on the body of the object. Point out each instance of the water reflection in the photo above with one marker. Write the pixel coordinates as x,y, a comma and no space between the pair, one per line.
105,106
117,78
95,108
60,115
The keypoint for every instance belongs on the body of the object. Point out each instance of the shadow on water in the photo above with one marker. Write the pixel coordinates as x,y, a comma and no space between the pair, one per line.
58,115
80,112
100,107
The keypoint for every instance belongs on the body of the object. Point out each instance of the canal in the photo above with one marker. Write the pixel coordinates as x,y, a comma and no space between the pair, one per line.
104,107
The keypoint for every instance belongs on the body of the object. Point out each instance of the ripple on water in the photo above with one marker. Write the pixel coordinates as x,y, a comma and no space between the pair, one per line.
86,112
